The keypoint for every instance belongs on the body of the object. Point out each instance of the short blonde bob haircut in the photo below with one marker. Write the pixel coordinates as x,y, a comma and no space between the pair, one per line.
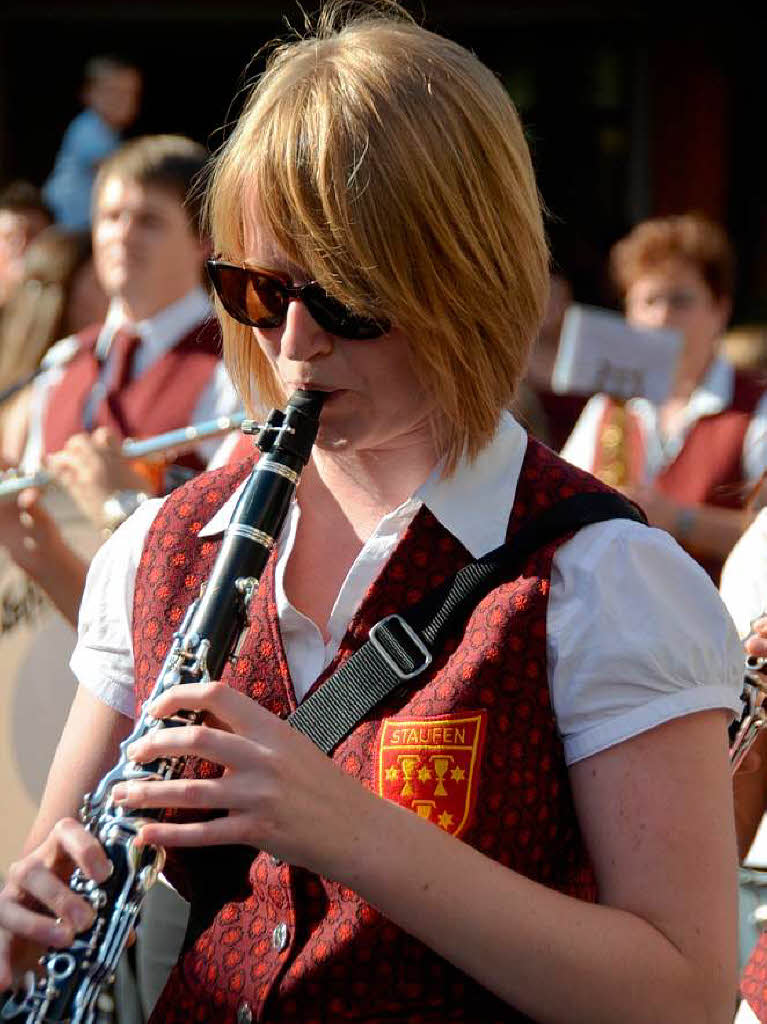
390,165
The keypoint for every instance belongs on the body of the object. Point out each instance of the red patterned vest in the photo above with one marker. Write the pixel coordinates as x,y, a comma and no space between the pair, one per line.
271,942
163,398
753,982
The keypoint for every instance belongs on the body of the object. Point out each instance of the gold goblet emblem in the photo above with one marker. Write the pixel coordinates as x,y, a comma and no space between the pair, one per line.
441,764
409,764
423,808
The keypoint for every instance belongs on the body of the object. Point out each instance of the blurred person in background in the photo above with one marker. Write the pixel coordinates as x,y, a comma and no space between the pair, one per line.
703,448
153,365
23,215
111,95
58,296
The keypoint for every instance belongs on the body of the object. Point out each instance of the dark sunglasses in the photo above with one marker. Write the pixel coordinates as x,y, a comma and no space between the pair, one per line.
260,298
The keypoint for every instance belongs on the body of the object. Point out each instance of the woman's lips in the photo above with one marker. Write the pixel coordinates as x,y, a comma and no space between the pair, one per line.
330,392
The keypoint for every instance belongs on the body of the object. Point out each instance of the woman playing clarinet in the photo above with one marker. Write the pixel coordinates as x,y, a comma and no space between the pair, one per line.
510,834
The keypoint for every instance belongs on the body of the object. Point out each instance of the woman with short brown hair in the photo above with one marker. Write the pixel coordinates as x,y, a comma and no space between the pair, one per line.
699,454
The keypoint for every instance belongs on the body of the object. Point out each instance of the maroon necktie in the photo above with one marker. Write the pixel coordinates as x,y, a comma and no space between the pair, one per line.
115,376
122,353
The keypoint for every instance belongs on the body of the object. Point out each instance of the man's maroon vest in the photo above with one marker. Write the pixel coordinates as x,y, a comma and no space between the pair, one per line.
475,749
163,398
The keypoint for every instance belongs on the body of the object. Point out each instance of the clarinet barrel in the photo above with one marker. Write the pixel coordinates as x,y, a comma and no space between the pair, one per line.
72,978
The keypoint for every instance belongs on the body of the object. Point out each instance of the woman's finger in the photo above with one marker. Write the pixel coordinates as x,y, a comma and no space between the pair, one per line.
186,794
218,832
32,878
759,626
35,927
756,646
233,709
221,747
72,839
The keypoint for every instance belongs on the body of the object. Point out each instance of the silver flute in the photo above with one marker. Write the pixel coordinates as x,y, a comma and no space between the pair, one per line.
72,979
171,442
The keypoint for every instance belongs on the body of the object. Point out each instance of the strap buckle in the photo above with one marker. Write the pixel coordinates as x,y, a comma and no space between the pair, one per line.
400,647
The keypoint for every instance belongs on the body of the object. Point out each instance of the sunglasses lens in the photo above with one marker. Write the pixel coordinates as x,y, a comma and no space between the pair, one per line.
260,299
265,299
248,296
338,319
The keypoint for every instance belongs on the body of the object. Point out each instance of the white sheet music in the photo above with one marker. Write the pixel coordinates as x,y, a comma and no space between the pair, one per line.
600,352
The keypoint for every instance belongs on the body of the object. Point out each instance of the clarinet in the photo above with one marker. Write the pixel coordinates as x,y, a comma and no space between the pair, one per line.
210,634
744,731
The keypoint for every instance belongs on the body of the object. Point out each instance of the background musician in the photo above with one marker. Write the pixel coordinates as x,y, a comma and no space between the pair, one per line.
706,445
154,363
152,366
23,215
394,257
58,294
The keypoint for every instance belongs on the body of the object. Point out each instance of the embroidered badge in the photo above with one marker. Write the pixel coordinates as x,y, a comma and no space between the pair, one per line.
431,765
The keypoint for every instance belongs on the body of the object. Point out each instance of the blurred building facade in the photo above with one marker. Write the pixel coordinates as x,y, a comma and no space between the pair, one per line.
631,109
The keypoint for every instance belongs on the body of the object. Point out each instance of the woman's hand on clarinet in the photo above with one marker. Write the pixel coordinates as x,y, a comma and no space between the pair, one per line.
756,642
283,795
37,907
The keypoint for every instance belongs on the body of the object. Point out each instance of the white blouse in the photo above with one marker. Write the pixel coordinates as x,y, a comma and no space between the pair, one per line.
744,577
636,633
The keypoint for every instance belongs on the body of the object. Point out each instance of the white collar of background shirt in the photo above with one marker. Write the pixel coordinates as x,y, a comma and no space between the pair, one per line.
712,396
473,503
158,333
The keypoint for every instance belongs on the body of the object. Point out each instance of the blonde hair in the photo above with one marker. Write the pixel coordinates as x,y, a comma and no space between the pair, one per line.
390,165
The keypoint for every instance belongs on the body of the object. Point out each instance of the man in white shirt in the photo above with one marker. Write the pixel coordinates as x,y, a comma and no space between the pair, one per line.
152,366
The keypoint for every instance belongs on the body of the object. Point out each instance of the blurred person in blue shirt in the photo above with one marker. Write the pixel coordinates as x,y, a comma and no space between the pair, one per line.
111,94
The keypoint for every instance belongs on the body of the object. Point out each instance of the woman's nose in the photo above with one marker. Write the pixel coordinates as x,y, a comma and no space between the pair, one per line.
302,337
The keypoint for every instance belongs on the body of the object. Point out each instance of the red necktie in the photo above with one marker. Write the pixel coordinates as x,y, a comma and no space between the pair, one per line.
122,353
116,374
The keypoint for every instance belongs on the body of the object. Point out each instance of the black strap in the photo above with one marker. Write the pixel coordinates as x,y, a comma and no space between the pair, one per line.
400,647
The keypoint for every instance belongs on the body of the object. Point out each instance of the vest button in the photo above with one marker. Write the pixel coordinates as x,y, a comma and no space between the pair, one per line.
280,937
244,1014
